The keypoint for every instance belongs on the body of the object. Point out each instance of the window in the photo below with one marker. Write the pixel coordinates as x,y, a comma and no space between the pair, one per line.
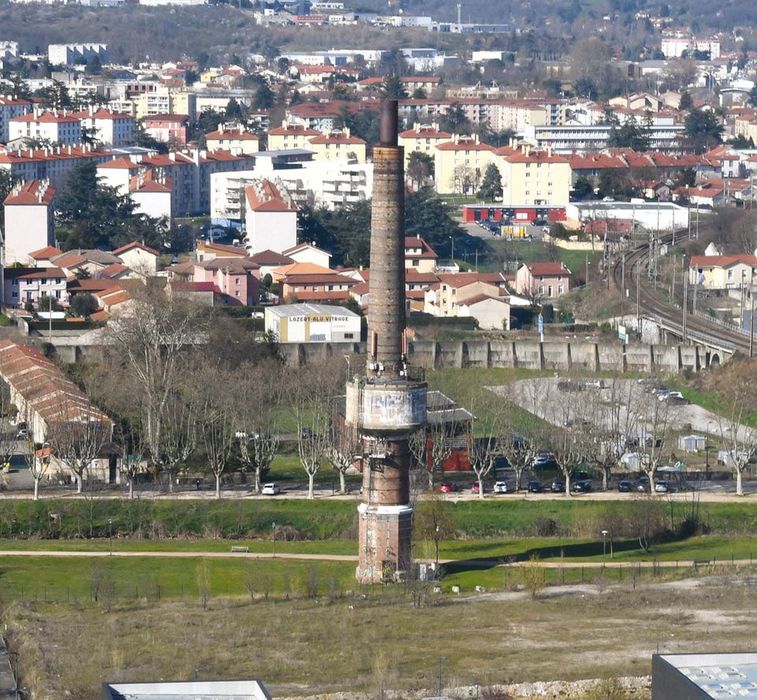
416,262
348,336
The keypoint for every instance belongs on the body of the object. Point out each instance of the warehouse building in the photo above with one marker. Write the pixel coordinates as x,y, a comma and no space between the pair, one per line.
312,323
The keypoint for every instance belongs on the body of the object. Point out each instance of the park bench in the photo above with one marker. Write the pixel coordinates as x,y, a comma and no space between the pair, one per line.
240,549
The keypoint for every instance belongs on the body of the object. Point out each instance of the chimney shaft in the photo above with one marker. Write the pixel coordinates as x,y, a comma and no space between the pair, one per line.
386,312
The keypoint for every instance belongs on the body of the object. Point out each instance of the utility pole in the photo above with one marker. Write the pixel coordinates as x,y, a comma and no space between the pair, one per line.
685,301
751,327
638,300
673,282
622,283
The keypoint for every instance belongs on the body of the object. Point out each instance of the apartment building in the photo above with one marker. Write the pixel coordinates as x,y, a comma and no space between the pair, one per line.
270,218
533,177
234,139
459,164
109,127
339,146
29,221
52,164
290,136
71,54
11,107
422,139
56,127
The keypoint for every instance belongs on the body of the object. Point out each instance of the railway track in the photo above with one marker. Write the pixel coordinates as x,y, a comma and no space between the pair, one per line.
697,328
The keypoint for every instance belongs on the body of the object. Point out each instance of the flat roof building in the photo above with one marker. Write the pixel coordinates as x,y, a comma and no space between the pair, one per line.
186,690
704,676
312,323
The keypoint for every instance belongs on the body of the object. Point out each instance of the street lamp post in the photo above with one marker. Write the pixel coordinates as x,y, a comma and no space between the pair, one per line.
110,535
273,538
604,543
452,243
707,450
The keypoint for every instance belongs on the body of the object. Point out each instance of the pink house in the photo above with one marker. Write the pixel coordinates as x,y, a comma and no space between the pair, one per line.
235,278
543,280
168,128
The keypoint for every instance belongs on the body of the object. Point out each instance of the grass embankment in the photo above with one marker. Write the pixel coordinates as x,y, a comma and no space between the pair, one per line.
319,520
709,400
536,251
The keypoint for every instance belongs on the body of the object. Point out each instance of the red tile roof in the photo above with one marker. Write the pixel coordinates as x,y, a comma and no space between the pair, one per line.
265,196
548,269
135,244
31,192
723,260
45,253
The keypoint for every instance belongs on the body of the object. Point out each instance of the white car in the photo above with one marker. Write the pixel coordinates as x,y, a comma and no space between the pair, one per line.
500,487
271,489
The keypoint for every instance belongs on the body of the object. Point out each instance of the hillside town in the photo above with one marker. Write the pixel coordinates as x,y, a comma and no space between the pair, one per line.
308,353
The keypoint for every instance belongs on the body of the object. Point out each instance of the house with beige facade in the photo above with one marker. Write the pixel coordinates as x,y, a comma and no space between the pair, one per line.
533,177
419,255
723,271
289,136
422,139
482,296
460,164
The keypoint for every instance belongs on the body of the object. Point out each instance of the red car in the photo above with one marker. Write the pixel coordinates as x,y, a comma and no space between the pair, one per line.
447,487
474,487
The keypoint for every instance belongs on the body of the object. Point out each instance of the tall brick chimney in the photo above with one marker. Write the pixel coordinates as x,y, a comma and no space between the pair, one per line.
385,407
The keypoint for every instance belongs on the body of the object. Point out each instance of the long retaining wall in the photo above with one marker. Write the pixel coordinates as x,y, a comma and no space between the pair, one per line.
530,354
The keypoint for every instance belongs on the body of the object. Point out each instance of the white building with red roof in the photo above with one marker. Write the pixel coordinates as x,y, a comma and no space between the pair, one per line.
58,127
29,220
51,164
109,127
270,218
288,136
723,271
419,255
11,107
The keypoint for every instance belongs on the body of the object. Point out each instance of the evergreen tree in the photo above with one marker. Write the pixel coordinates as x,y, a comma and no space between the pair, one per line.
704,130
686,102
392,88
454,120
491,185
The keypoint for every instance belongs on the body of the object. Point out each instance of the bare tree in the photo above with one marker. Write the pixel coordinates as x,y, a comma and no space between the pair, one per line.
518,442
180,434
343,447
740,439
433,444
37,459
78,441
261,391
652,427
312,392
433,522
149,343
218,420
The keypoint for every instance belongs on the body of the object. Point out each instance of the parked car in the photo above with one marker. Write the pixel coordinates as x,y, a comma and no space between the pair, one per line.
642,484
271,489
474,487
582,486
535,487
447,487
662,486
557,486
500,487
544,460
625,486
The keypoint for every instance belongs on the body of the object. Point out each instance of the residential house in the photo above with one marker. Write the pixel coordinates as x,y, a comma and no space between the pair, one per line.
419,255
542,280
29,220
268,260
480,295
24,285
44,256
237,279
309,253
327,287
723,271
206,251
270,218
51,164
138,257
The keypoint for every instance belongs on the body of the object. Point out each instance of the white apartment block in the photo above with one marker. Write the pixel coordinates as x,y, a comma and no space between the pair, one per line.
110,128
11,107
29,221
674,46
51,164
57,127
70,54
585,138
320,183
